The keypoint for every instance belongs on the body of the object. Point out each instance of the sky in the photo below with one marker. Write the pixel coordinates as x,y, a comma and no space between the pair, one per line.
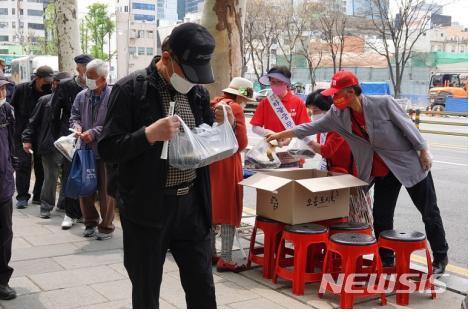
458,9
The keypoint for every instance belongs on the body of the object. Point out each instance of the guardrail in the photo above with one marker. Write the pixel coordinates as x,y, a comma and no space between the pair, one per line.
415,116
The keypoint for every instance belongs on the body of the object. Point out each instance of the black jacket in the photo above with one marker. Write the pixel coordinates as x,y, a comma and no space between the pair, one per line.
141,172
61,104
23,101
38,130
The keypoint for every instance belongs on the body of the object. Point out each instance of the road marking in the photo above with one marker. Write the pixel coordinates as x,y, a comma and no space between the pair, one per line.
449,163
451,146
450,268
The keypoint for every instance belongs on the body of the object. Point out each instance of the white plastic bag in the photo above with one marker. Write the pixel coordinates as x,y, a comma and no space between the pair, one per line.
202,146
67,145
299,149
262,156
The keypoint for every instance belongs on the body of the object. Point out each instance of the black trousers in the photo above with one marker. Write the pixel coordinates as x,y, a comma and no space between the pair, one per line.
424,198
70,205
188,237
6,238
23,174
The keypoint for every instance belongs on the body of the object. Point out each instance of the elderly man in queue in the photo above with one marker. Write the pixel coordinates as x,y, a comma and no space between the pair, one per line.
163,207
388,150
87,119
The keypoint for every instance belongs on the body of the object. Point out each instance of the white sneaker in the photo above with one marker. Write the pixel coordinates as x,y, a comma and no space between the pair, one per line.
67,223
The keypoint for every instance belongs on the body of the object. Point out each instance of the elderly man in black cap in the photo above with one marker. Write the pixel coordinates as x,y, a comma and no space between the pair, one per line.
24,100
7,188
61,105
38,132
163,207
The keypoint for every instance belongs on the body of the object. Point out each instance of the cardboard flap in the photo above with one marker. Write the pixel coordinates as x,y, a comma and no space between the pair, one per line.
331,183
265,182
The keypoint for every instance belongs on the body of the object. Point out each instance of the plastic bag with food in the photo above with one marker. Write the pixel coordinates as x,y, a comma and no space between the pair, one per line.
298,149
262,156
203,145
67,145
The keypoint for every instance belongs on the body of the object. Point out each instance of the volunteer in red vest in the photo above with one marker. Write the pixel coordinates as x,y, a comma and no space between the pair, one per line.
265,119
227,194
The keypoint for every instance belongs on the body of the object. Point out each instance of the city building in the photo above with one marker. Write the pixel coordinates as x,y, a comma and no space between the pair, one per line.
21,26
194,6
449,39
136,34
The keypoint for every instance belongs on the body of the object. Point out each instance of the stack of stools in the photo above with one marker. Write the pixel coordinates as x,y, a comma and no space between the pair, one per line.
272,233
404,244
302,236
351,247
329,222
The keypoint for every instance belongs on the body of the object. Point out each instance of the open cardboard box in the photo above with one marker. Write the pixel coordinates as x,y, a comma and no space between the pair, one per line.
295,195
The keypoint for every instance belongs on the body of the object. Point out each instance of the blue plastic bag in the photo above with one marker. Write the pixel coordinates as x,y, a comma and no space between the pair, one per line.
82,180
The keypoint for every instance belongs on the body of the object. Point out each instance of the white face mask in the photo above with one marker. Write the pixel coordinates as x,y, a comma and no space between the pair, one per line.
180,84
3,101
91,84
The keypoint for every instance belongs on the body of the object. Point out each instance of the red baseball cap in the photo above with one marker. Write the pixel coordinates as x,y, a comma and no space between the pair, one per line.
341,80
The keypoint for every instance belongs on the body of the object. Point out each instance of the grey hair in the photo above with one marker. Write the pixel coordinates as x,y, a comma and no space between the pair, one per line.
99,66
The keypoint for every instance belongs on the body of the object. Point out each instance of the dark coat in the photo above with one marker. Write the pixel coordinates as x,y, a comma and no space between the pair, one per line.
23,101
141,172
8,161
61,106
38,131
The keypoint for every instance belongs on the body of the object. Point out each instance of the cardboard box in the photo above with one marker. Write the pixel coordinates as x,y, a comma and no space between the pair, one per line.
295,196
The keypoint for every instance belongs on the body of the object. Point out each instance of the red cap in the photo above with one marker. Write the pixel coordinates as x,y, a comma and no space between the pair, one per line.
341,80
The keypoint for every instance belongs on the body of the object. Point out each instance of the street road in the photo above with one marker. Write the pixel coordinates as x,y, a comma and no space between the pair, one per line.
450,169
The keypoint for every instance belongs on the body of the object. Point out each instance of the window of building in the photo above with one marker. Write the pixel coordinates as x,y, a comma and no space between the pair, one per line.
141,51
36,26
13,25
150,34
4,25
13,11
143,6
21,12
35,12
126,8
3,38
149,51
141,34
143,17
132,51
3,11
21,25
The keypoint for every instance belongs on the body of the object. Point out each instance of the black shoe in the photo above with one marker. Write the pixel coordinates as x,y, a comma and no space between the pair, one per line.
36,201
439,265
7,293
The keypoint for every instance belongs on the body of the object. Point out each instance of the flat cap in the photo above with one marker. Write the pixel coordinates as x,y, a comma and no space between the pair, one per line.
61,75
83,59
44,72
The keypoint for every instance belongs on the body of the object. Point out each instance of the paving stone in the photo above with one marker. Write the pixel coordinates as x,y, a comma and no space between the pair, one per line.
119,304
19,243
36,252
119,268
28,229
76,277
34,266
23,286
229,292
256,274
116,290
166,305
170,264
259,303
89,259
53,238
68,298
310,297
94,245
172,292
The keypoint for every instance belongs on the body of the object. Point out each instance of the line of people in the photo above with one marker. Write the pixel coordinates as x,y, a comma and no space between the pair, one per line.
40,112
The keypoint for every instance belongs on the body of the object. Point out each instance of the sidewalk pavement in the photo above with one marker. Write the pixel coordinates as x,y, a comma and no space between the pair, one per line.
61,269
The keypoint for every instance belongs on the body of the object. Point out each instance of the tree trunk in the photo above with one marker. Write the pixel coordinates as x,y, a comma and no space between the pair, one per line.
68,34
224,20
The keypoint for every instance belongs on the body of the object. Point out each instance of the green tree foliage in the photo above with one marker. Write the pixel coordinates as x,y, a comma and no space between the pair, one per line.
98,25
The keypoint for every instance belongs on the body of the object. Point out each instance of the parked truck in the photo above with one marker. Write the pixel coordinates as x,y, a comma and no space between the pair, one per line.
447,84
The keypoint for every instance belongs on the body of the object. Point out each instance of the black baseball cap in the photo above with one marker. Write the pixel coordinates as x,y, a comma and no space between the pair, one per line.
44,72
83,59
193,46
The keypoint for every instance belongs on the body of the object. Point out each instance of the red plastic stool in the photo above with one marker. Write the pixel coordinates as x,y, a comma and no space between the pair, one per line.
404,244
350,227
329,222
302,236
351,247
272,233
